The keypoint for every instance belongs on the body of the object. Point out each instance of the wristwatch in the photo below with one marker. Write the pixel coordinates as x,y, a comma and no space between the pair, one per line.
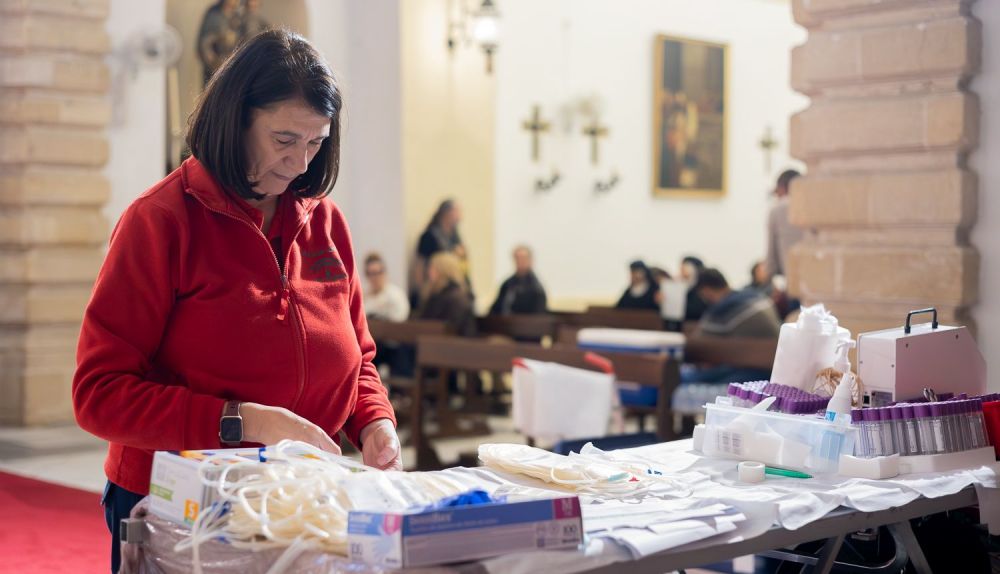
231,424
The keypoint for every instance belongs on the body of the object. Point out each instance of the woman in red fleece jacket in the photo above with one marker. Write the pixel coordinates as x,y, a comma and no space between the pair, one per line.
228,308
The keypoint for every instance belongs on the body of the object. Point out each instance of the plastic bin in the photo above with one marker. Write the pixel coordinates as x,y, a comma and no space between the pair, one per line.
787,441
633,341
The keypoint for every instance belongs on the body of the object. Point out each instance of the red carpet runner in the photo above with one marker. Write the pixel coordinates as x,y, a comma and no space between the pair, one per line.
50,528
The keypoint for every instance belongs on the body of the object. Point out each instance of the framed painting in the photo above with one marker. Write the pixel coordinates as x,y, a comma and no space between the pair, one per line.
690,117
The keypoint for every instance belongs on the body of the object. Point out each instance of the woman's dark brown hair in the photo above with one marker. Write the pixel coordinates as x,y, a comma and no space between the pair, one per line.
272,67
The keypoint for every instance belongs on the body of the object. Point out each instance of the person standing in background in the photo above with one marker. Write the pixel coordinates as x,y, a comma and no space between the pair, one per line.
383,300
522,292
441,234
781,235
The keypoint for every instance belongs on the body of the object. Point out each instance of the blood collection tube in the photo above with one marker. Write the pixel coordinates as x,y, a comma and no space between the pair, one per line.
886,432
912,432
898,430
928,444
977,425
939,428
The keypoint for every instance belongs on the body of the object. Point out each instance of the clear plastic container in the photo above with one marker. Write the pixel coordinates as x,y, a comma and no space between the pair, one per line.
788,441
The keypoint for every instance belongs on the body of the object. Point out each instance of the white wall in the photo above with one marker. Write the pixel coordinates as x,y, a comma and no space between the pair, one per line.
360,40
373,147
986,233
560,50
137,144
448,111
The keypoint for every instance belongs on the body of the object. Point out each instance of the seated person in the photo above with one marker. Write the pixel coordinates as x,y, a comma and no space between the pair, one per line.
522,293
659,274
643,291
445,296
763,283
691,268
744,313
383,300
760,279
386,302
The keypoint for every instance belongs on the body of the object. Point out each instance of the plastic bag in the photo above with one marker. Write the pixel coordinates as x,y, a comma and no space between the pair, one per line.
806,347
554,402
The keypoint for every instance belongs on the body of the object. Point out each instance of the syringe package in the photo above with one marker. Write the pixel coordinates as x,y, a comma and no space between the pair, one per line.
460,533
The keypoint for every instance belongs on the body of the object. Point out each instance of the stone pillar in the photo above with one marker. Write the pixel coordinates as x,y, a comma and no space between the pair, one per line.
888,194
53,114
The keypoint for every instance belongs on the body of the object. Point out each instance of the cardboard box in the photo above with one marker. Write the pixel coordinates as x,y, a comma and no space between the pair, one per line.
456,534
175,491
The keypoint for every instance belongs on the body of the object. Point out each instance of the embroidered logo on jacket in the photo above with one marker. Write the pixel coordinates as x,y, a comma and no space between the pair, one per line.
323,266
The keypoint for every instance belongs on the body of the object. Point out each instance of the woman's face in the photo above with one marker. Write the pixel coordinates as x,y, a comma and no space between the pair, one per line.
687,272
637,277
282,139
452,217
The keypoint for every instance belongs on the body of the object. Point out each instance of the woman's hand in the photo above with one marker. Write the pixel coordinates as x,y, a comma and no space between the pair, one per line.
380,446
270,425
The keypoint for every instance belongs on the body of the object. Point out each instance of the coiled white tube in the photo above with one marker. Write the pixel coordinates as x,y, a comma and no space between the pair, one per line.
296,499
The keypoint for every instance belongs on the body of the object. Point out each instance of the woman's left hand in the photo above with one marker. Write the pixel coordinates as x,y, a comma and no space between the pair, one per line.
380,446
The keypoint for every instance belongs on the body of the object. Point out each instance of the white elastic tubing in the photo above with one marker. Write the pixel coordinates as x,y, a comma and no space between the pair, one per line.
295,499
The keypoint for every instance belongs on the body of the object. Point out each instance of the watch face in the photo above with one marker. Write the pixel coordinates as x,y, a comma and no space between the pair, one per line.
231,429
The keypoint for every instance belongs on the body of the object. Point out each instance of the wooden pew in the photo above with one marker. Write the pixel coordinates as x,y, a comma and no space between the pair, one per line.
743,352
620,318
406,331
403,333
534,328
606,317
449,354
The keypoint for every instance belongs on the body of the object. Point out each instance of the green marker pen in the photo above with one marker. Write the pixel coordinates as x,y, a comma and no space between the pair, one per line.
784,472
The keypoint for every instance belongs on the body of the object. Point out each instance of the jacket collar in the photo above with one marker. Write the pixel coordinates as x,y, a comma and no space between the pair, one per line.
202,185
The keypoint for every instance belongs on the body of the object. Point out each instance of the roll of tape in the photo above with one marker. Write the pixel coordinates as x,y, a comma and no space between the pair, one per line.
750,471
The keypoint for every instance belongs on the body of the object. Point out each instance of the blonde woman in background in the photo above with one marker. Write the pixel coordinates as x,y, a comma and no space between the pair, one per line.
445,295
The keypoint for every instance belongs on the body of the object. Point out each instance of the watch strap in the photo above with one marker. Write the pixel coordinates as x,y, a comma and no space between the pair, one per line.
232,409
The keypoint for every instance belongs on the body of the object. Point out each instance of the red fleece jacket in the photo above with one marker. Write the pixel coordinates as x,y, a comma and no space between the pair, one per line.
191,308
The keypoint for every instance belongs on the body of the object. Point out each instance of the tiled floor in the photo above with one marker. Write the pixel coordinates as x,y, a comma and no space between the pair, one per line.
64,455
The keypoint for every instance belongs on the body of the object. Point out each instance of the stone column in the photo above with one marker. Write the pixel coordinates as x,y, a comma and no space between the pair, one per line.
888,194
53,114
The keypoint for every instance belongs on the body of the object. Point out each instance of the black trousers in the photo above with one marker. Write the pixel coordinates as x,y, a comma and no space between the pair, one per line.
118,504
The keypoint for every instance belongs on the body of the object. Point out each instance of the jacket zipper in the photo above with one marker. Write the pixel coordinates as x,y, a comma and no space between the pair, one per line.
284,305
